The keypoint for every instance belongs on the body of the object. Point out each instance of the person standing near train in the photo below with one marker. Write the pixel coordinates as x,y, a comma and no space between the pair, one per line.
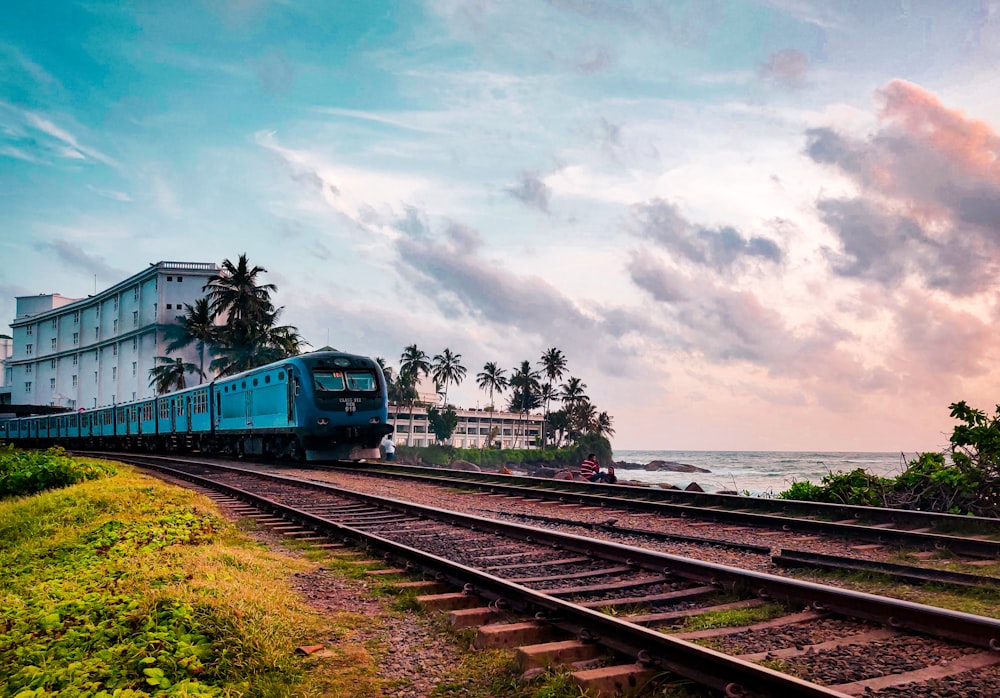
389,446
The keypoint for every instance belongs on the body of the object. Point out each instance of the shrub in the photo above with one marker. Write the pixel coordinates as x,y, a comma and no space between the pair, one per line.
29,472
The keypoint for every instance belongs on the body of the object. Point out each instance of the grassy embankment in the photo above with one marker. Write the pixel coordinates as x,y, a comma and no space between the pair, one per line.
121,585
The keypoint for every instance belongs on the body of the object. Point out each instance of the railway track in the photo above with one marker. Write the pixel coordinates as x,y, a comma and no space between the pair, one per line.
810,639
969,536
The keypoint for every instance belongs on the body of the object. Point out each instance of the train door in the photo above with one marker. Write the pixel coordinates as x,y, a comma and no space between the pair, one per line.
173,415
187,412
293,390
248,406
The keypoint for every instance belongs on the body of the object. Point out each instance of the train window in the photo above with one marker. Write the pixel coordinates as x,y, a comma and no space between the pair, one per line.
267,379
281,375
243,384
360,380
255,381
328,380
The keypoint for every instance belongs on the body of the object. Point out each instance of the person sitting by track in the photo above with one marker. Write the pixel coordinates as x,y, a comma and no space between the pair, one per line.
590,471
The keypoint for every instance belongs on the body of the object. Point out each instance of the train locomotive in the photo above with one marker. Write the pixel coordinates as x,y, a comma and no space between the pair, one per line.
312,407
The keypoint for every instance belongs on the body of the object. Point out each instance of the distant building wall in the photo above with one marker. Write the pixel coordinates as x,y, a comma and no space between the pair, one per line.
511,429
6,348
98,350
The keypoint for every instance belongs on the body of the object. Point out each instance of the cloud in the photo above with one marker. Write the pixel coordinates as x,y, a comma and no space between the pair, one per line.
787,68
532,190
929,195
75,259
720,249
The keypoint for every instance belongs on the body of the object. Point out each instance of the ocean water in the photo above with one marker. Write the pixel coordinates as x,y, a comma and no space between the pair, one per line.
761,473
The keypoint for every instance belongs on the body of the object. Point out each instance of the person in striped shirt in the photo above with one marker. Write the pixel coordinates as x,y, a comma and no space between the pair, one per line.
590,470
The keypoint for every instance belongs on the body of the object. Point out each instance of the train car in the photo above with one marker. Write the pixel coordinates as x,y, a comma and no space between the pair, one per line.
318,406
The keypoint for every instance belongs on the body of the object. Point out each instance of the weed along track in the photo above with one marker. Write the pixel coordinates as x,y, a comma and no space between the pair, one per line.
626,616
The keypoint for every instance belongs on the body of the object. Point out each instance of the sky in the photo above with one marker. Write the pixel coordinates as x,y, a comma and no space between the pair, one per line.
768,225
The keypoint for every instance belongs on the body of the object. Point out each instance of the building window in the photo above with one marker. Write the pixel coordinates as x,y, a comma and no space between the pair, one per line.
169,306
135,318
135,293
114,373
52,383
54,344
170,278
114,350
95,376
76,317
135,343
53,364
29,349
27,386
74,380
76,338
135,367
29,330
97,333
180,279
29,368
115,326
76,359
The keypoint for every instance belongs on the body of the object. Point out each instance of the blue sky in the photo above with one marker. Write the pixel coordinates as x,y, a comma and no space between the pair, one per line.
748,225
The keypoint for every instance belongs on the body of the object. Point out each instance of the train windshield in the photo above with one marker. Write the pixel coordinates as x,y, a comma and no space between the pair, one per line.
336,381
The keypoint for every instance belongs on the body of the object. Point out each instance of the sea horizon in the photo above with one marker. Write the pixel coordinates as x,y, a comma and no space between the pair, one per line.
759,473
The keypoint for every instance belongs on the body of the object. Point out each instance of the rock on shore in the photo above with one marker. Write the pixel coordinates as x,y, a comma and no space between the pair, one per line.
667,465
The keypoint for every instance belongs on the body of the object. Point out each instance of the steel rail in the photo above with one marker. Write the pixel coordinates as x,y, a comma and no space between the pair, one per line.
647,646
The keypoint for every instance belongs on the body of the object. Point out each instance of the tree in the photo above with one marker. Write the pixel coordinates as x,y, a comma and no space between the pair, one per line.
493,380
553,365
604,425
525,394
169,374
447,369
412,364
235,294
442,422
196,326
250,335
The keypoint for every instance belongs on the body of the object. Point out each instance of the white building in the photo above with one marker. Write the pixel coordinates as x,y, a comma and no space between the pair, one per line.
6,347
98,350
511,429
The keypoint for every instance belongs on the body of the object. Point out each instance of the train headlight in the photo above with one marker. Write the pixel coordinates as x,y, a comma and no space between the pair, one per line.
374,420
322,421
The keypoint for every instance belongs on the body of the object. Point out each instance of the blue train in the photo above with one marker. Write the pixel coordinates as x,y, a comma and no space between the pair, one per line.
312,407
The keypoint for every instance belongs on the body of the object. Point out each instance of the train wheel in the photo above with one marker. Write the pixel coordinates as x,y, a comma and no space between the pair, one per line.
296,454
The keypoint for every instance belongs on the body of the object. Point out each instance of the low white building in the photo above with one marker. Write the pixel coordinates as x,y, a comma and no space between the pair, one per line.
88,352
510,429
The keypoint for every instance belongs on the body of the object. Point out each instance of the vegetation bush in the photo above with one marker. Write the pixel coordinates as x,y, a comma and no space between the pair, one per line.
492,458
970,485
29,472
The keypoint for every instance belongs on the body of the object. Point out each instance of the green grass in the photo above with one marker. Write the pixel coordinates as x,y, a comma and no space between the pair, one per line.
126,586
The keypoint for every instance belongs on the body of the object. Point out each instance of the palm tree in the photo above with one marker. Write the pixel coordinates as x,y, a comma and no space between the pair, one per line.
196,326
170,374
250,335
553,365
447,370
572,391
235,294
524,382
492,379
603,426
412,363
